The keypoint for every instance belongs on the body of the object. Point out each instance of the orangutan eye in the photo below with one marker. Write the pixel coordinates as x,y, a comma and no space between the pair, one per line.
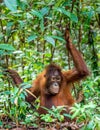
53,78
58,78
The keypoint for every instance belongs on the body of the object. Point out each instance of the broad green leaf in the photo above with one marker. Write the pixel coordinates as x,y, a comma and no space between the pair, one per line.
11,4
50,40
98,10
26,85
7,47
58,38
31,38
62,10
74,18
9,24
44,11
67,13
67,115
76,113
8,28
37,13
22,23
90,14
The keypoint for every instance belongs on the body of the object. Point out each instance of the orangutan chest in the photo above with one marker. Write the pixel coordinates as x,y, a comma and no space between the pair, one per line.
50,101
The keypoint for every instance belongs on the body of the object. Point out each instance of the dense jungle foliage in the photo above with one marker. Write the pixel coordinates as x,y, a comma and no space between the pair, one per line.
31,37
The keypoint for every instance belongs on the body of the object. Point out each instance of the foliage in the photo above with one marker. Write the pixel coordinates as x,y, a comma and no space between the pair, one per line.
89,111
32,36
16,104
53,114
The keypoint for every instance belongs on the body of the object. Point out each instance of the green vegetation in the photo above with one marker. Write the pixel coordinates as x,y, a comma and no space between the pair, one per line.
32,36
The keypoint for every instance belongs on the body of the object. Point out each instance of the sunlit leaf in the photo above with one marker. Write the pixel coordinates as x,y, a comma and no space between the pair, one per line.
50,40
58,38
26,85
62,10
98,10
72,16
17,52
31,38
7,47
37,13
16,101
76,113
67,115
11,4
44,11
22,23
90,125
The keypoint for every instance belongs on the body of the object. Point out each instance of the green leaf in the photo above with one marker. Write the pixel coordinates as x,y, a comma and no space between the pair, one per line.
67,13
1,36
1,123
1,52
44,11
42,25
90,14
11,4
50,40
31,38
62,10
74,18
67,115
98,10
7,47
76,113
37,13
21,24
22,4
26,85
58,38
8,28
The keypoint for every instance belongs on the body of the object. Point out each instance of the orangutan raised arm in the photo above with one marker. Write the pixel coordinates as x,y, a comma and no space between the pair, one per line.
80,71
